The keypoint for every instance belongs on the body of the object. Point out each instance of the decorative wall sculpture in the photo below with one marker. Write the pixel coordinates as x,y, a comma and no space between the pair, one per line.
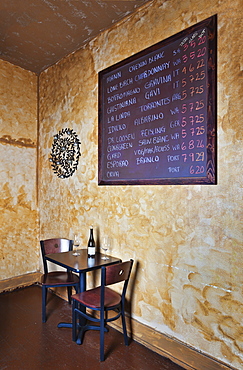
65,153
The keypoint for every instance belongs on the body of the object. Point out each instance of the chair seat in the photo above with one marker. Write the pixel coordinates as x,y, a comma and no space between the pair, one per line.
59,278
91,298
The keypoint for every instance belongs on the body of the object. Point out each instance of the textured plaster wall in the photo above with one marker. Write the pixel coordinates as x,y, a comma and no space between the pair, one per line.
186,240
18,186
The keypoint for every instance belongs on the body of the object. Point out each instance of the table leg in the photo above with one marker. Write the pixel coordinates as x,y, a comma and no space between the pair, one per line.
82,288
82,281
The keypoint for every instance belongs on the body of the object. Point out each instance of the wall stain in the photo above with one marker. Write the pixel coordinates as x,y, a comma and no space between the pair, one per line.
21,142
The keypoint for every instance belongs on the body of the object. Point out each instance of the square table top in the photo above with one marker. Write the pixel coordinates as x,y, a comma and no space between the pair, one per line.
81,263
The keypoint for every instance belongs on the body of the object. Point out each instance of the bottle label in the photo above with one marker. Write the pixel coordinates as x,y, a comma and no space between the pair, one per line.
91,251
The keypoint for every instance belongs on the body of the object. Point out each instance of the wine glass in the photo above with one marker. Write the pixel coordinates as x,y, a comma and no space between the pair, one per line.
76,243
105,246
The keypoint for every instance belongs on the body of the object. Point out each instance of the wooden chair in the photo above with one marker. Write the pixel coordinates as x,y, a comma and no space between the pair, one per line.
56,278
102,299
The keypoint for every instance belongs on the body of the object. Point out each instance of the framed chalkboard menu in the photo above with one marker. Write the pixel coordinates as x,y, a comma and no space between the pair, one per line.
157,112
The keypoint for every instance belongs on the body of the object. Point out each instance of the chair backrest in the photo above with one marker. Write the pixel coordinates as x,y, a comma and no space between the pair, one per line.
116,273
57,245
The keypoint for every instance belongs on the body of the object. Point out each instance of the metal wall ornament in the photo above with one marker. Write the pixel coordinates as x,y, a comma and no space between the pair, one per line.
65,153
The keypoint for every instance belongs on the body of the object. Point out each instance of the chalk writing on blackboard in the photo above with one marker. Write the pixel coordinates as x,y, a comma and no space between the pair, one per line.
157,113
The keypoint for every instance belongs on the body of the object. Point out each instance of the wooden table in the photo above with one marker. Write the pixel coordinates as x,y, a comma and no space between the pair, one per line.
80,264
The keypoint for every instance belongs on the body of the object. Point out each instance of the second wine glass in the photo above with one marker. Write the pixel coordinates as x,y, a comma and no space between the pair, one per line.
105,246
76,243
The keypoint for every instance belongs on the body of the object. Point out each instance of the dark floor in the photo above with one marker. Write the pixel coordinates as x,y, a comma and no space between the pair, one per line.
27,343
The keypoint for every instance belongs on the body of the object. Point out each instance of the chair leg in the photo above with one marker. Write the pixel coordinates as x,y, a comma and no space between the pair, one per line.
44,294
69,292
124,325
74,320
102,335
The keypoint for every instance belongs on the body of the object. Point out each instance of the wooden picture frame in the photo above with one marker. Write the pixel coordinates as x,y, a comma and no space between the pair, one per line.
157,113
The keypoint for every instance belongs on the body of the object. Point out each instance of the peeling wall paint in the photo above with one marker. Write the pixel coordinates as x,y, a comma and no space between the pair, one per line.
186,240
19,248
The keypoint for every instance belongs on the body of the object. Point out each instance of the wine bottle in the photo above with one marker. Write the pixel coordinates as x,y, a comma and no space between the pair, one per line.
91,244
